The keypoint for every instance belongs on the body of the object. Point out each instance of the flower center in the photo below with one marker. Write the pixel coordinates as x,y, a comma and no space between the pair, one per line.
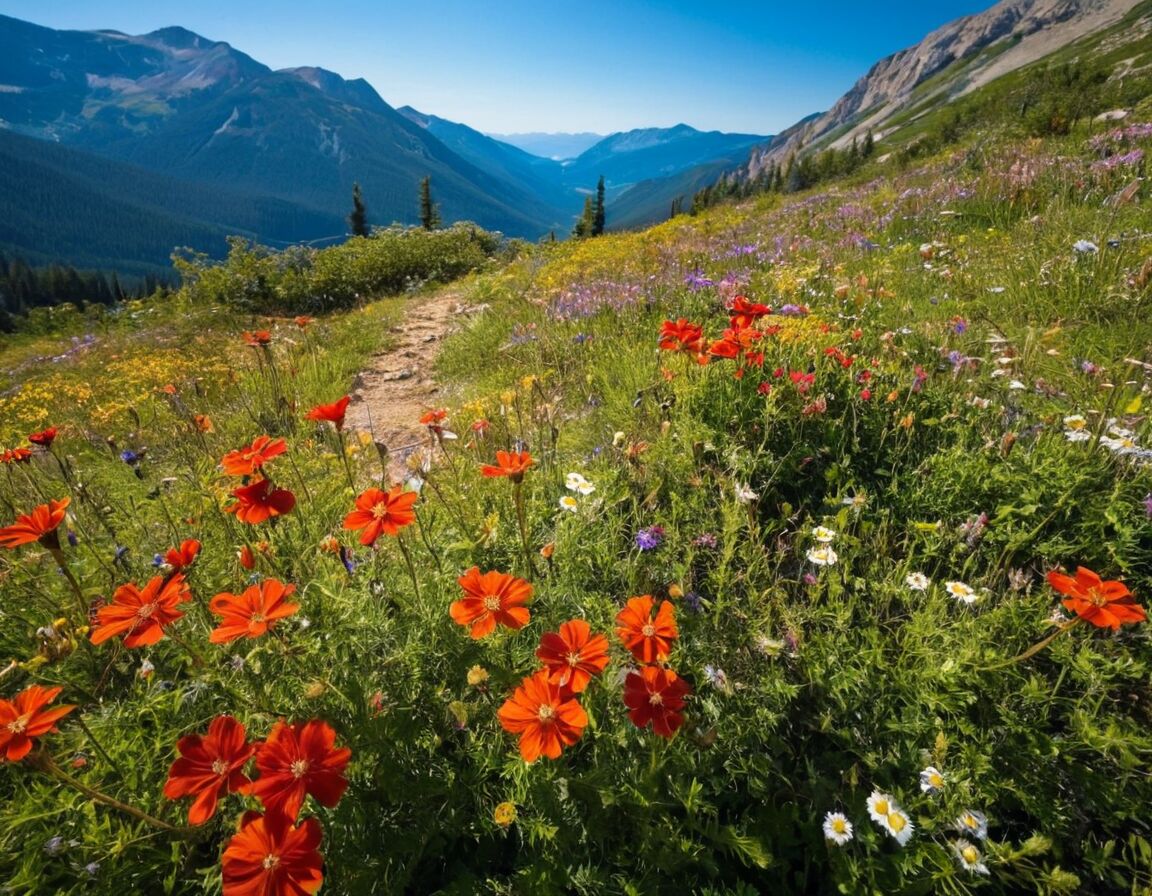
656,699
971,822
896,822
838,825
573,659
380,510
258,617
270,862
882,807
147,610
17,726
219,767
970,855
299,768
648,631
1096,598
491,603
545,713
935,780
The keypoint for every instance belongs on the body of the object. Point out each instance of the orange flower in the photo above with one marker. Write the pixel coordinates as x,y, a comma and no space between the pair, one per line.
39,525
656,695
210,766
44,438
491,598
743,313
182,557
258,338
509,463
437,415
681,336
203,422
302,321
1104,604
251,614
246,557
381,513
297,760
649,640
141,615
246,461
23,718
271,856
259,502
16,456
547,717
333,413
573,655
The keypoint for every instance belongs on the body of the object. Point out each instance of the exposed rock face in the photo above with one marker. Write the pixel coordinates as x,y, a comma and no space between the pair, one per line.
1030,30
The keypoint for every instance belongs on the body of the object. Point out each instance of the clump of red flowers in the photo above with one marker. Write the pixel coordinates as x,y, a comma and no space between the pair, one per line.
654,694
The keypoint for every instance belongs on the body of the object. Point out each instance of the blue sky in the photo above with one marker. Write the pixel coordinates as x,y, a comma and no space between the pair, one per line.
555,65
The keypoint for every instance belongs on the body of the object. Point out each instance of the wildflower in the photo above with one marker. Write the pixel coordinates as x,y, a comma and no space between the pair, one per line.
504,814
1104,604
693,602
16,456
573,655
477,675
744,493
743,313
246,461
575,482
716,677
258,338
973,823
44,438
823,534
917,581
53,846
1075,422
823,556
567,502
545,715
969,857
961,592
899,825
24,717
491,598
303,321
39,525
837,828
1085,247
141,615
381,513
512,464
332,413
681,336
649,640
879,805
179,559
705,540
246,558
297,760
271,856
210,766
650,538
655,695
931,781
251,614
259,501
203,423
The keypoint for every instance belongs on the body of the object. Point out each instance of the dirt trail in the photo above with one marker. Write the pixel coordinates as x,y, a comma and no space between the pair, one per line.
396,387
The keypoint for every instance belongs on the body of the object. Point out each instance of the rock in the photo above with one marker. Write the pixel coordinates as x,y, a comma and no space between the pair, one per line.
1112,115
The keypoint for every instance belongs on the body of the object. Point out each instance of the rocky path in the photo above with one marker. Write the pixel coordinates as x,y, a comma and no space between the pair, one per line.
396,388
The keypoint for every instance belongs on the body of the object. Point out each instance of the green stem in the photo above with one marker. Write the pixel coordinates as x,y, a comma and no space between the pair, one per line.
99,747
1037,647
62,565
518,500
411,566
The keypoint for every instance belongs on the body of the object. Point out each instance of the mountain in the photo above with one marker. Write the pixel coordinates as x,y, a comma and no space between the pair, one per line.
557,146
950,62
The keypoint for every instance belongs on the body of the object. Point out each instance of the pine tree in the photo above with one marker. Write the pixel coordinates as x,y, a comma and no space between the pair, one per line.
598,209
583,227
429,213
869,144
358,219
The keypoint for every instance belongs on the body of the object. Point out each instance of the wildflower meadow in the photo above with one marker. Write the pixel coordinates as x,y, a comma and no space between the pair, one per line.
803,545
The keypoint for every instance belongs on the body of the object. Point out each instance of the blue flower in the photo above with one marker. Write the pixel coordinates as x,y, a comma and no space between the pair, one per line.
650,538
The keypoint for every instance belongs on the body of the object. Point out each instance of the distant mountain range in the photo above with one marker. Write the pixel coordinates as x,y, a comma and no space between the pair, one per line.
556,146
170,138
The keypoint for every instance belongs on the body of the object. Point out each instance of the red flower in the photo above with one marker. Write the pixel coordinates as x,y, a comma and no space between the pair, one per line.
258,338
303,321
24,717
259,502
182,557
1104,604
45,437
270,856
573,655
246,461
297,760
251,614
210,766
39,525
491,598
649,640
547,717
509,463
333,413
743,313
16,456
681,336
656,695
433,417
246,557
141,616
381,513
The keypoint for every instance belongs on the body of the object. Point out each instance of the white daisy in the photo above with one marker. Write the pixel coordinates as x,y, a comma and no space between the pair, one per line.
969,856
1077,435
961,592
837,828
917,581
567,502
879,805
823,556
823,534
1075,422
573,481
974,823
899,825
931,780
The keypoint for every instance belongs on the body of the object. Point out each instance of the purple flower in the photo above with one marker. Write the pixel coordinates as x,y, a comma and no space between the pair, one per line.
959,325
705,540
72,539
810,579
697,280
346,559
650,538
129,457
693,603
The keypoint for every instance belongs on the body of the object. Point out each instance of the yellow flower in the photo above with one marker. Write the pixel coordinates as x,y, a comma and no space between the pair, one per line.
504,814
477,675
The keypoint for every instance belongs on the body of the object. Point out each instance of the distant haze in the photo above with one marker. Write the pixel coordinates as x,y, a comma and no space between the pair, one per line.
551,146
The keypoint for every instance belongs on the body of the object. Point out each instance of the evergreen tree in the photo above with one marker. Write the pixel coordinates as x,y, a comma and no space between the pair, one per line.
429,213
598,209
583,227
358,219
869,145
